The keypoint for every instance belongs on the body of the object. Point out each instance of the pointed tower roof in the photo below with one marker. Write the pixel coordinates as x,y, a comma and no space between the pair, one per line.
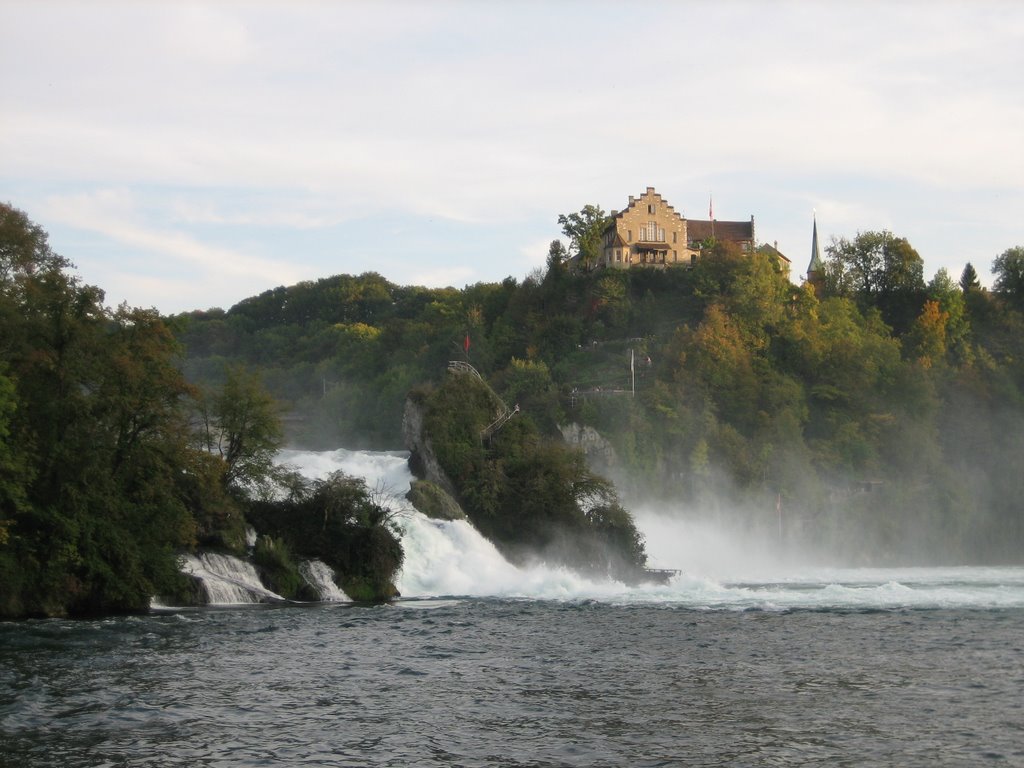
816,264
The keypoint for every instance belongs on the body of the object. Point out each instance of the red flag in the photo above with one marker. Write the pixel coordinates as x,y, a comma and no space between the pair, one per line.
465,344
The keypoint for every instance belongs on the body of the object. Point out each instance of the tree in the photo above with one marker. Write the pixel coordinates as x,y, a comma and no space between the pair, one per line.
24,250
92,457
240,424
969,279
926,341
881,270
951,301
1008,268
12,469
584,230
557,255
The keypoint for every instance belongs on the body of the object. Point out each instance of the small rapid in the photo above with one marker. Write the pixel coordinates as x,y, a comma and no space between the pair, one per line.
228,580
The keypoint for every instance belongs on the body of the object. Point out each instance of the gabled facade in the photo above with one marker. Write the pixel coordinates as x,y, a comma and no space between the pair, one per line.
650,232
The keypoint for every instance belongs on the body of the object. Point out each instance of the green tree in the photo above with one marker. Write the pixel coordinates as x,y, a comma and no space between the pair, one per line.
1008,269
12,468
969,278
93,488
241,424
584,230
881,270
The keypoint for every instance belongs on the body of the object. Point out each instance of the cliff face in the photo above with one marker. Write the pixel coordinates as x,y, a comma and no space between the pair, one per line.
433,494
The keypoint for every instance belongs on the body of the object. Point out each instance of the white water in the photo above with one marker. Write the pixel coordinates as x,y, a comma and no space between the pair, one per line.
320,576
450,559
227,580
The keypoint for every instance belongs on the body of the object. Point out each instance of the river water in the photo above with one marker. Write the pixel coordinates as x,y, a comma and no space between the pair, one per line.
740,660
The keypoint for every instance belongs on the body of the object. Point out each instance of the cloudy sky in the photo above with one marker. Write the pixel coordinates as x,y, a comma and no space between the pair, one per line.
188,155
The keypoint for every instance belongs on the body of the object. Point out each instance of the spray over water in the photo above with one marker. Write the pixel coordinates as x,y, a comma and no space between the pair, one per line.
718,570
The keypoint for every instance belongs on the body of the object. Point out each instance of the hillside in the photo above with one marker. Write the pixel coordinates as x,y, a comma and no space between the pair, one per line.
884,416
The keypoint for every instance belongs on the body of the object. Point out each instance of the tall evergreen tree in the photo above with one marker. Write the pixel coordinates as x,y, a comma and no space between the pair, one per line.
969,278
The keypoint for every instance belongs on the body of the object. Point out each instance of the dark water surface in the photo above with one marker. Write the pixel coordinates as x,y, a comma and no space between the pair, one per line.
483,682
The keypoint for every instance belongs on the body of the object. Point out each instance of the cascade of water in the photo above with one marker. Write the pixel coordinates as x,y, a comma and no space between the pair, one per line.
227,580
320,576
443,557
722,571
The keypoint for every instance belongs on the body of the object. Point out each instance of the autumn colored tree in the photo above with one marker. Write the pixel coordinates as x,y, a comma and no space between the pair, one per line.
926,341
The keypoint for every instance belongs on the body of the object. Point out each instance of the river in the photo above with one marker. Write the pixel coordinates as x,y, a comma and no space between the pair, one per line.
739,660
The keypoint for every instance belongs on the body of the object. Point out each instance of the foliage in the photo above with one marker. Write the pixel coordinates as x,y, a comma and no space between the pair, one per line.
969,278
533,496
273,558
880,269
94,458
338,521
584,230
240,424
1008,268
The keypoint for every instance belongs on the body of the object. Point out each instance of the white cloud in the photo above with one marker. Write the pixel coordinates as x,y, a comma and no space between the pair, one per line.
302,117
112,213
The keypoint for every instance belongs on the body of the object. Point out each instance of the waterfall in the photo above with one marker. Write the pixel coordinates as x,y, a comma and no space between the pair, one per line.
320,576
443,558
227,580
723,570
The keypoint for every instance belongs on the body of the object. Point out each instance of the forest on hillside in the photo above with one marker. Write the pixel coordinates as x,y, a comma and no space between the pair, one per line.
885,415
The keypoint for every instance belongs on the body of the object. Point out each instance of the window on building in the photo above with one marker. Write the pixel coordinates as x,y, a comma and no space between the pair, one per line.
650,208
674,236
629,235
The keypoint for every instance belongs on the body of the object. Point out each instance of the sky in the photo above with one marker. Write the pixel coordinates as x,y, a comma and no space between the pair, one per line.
187,155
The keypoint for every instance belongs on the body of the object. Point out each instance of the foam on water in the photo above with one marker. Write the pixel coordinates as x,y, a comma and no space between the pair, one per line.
445,559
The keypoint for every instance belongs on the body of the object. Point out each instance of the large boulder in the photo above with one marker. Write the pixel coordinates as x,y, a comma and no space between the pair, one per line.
433,501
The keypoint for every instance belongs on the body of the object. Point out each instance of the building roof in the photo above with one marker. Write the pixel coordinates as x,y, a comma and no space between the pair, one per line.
771,250
617,241
697,229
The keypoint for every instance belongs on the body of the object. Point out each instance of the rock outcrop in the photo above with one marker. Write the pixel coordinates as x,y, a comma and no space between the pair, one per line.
433,494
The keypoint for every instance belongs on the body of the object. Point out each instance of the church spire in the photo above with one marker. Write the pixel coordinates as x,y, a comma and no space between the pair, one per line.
816,269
